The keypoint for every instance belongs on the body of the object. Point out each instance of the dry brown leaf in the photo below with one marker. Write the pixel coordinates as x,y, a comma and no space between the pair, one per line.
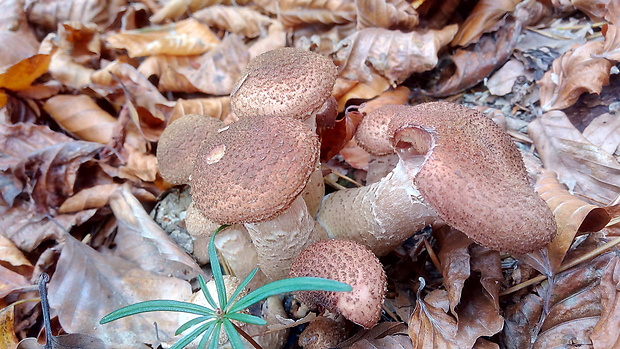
399,95
87,285
393,55
68,72
27,230
216,107
140,240
94,197
483,17
571,214
47,168
334,139
275,38
177,8
239,20
604,132
8,339
473,64
455,262
49,14
186,37
122,77
573,304
583,167
605,333
139,165
389,14
297,12
216,71
22,74
9,282
430,325
18,39
346,90
82,117
575,72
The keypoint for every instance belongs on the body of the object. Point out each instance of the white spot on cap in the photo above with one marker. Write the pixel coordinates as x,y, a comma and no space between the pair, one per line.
216,154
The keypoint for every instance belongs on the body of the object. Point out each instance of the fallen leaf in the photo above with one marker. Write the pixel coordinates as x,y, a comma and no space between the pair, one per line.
355,156
87,285
27,230
572,74
176,8
9,282
140,240
393,55
8,340
82,117
430,326
583,167
485,16
298,12
216,71
275,38
572,299
502,81
455,262
605,333
234,19
346,90
48,14
334,139
571,214
473,64
604,132
399,95
216,107
22,74
388,14
186,37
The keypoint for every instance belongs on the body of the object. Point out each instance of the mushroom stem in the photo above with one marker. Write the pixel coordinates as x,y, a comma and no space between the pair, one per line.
379,216
280,240
314,191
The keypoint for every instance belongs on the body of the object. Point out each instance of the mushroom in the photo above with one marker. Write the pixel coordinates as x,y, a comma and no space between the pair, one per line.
455,166
371,135
294,83
323,332
179,143
286,82
348,262
253,172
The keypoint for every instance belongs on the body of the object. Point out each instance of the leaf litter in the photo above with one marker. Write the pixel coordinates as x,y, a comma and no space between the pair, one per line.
87,87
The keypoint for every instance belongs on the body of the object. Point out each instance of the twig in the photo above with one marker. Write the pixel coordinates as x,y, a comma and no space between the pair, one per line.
595,252
247,336
45,306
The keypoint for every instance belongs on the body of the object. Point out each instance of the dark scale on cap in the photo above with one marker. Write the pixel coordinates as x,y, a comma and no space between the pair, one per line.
253,169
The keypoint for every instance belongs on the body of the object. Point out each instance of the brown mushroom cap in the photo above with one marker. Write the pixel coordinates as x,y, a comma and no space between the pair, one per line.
348,262
372,132
253,169
472,174
179,144
285,81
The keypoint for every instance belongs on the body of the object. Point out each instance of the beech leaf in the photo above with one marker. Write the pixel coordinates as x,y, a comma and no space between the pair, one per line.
605,334
584,167
393,55
388,14
82,117
239,20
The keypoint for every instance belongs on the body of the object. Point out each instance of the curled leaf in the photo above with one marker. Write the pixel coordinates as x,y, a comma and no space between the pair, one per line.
483,17
187,37
296,12
82,117
239,20
389,14
393,55
572,215
575,72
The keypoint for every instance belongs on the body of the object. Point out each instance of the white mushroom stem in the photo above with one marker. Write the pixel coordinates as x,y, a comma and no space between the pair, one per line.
280,240
314,191
379,216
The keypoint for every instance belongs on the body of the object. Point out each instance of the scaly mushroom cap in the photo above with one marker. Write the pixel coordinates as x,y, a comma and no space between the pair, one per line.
285,81
253,169
472,174
348,262
179,144
372,132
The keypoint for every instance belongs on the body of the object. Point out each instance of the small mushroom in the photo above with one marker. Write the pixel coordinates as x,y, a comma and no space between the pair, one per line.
455,166
253,172
323,332
348,262
179,143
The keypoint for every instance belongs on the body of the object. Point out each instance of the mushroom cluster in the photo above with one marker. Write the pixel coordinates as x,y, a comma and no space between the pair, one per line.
455,166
